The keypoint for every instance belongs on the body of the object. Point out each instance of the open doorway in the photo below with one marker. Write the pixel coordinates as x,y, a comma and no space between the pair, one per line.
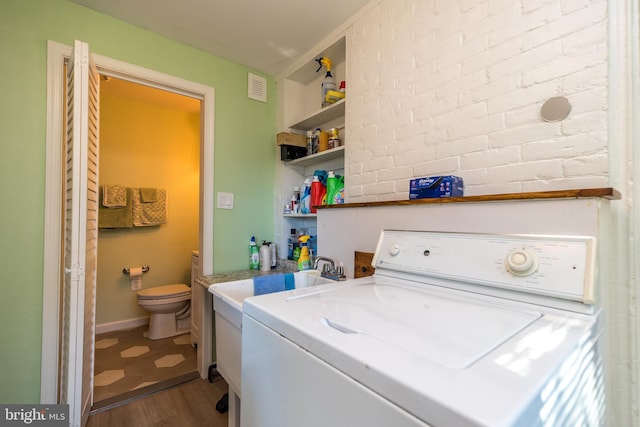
57,55
149,139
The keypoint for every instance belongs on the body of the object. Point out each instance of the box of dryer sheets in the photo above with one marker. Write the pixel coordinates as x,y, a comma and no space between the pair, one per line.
436,187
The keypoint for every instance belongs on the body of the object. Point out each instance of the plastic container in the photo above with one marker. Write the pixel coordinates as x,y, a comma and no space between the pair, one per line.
292,243
304,262
318,191
328,83
335,189
334,138
305,197
274,256
265,257
323,141
254,256
309,142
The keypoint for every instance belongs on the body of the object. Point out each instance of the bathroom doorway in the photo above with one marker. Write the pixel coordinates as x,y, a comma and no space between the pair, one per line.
149,138
57,55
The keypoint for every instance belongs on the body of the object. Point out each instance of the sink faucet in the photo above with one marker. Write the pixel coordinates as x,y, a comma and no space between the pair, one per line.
329,271
325,259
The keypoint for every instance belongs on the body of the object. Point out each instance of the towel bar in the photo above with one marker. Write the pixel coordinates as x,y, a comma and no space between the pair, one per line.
126,270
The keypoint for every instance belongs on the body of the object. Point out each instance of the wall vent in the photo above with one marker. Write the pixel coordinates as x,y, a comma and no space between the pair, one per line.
257,88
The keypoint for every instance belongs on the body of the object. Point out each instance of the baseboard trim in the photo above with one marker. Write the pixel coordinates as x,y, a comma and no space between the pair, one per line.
122,325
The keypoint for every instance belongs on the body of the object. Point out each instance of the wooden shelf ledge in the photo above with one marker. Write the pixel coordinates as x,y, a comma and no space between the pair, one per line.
604,193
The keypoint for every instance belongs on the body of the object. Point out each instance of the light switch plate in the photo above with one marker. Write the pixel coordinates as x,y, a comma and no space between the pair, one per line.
225,200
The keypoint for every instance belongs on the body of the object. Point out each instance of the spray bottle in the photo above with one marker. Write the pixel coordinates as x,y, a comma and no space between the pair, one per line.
328,83
304,262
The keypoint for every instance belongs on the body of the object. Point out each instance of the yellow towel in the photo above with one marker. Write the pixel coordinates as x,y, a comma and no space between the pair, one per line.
151,213
114,196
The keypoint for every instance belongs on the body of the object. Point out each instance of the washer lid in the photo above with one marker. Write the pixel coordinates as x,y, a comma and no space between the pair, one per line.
165,291
453,331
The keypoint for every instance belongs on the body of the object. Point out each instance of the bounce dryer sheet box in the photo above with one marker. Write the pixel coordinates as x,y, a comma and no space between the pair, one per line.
436,187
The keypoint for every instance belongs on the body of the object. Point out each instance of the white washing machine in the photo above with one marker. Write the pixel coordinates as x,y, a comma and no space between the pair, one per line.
452,330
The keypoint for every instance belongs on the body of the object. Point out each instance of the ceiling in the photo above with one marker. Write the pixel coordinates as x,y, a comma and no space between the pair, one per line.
266,35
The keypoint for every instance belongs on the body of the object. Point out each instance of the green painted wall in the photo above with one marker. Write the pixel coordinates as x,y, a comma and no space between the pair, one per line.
244,158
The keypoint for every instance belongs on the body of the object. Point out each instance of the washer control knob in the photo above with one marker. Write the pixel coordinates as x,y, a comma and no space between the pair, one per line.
522,262
394,249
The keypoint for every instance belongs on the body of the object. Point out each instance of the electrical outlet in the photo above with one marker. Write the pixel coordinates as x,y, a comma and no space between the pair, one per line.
225,200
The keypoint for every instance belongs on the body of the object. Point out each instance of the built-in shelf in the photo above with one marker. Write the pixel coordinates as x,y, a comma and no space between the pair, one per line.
334,153
308,71
320,117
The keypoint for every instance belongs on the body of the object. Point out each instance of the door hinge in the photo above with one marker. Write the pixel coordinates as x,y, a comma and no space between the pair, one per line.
75,271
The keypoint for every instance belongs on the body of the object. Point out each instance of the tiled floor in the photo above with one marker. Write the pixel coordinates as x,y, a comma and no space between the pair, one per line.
127,360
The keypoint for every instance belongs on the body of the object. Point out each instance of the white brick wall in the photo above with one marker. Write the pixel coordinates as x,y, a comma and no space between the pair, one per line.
455,87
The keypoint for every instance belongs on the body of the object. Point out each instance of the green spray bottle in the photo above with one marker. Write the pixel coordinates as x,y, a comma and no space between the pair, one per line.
328,83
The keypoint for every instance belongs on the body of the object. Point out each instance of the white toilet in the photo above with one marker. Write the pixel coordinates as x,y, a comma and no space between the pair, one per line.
170,309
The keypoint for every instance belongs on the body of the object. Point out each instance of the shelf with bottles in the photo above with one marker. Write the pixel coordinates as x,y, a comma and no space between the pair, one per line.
300,216
334,153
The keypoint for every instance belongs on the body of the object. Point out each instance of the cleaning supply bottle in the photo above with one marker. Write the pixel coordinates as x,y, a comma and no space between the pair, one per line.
323,141
332,183
274,256
292,243
265,257
254,256
309,142
305,197
318,191
328,83
335,189
304,262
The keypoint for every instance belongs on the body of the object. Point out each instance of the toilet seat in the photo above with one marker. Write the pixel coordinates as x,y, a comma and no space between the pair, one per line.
164,292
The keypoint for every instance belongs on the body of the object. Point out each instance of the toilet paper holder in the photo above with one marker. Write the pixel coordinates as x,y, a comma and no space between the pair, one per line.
126,270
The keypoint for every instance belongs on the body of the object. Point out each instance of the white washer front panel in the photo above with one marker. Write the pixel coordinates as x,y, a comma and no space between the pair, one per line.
560,267
453,332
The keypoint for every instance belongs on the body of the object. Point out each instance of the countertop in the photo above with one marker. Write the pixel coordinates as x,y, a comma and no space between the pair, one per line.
284,266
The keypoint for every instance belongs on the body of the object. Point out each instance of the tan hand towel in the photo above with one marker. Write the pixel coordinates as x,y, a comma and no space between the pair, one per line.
152,213
114,196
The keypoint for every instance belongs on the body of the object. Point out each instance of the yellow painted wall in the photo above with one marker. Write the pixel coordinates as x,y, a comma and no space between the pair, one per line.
143,144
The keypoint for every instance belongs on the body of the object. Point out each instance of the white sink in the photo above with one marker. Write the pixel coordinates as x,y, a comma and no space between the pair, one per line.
227,304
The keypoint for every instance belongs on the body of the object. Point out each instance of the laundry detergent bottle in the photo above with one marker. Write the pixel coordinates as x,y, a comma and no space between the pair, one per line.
304,262
335,189
318,191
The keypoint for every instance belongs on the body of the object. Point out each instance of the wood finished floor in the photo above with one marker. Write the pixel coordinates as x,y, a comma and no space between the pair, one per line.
188,405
